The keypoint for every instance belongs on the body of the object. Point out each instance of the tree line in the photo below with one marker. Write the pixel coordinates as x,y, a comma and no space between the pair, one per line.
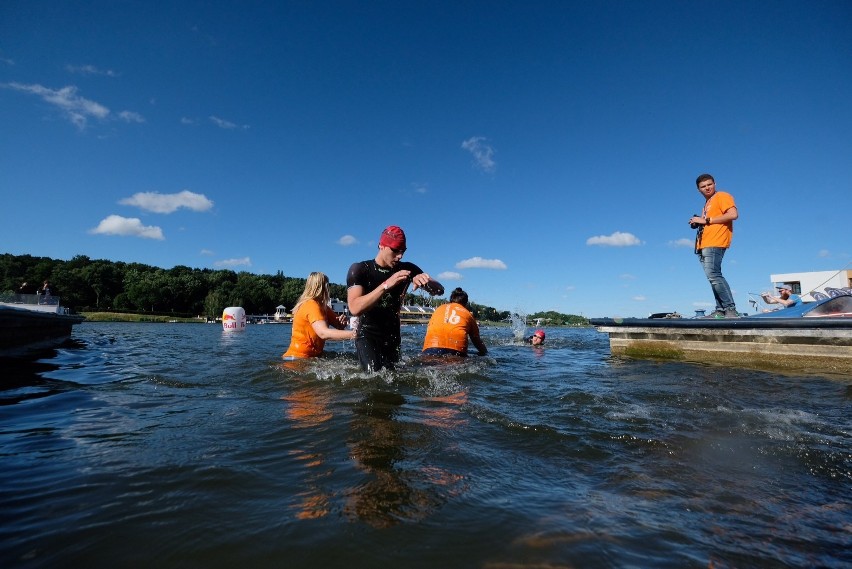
87,285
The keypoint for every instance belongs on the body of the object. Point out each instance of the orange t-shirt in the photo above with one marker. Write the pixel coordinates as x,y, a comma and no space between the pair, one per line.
449,327
304,342
718,234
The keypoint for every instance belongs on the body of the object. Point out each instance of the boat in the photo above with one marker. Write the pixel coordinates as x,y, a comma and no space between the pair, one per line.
30,322
813,336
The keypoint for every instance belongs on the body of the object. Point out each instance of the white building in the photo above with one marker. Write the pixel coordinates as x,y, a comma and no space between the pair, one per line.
280,313
338,306
805,284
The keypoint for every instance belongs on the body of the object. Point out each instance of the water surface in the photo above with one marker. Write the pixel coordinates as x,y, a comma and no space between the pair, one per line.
180,445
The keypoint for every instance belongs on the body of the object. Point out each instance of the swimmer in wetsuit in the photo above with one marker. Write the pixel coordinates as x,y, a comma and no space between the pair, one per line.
375,291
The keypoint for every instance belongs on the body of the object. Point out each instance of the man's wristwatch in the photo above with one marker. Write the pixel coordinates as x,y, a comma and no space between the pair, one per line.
707,220
385,286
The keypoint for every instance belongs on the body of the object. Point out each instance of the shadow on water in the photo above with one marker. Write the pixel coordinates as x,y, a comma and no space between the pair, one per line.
31,376
24,380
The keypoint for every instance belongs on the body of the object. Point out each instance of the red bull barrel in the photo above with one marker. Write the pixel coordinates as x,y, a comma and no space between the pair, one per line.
234,319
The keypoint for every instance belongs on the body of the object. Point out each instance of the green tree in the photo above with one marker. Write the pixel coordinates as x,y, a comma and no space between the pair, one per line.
291,291
105,281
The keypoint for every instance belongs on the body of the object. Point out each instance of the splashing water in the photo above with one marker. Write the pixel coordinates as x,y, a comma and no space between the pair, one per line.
518,322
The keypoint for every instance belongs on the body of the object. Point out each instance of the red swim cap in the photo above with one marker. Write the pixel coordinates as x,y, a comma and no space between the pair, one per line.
392,237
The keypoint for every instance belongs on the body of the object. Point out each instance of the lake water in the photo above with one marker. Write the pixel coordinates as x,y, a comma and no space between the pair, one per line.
180,445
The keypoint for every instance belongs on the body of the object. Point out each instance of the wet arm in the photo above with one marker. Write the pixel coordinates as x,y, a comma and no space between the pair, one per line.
323,331
480,345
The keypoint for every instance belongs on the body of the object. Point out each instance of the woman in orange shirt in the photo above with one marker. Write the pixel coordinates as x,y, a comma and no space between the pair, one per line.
312,318
449,328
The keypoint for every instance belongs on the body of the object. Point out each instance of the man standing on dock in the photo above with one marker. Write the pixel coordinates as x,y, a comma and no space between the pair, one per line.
715,229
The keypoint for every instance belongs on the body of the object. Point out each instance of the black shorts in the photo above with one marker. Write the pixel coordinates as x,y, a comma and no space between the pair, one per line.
443,352
376,354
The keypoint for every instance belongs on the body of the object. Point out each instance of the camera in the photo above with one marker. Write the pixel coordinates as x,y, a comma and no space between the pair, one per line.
695,225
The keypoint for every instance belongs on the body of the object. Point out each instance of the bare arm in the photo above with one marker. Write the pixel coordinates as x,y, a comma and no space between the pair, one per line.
480,345
323,331
729,215
473,332
769,299
335,320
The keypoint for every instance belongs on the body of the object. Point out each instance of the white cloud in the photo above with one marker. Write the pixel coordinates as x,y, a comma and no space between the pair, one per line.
168,203
483,153
617,239
682,243
347,240
244,262
132,226
130,116
823,253
480,263
75,108
206,252
228,125
90,70
186,120
639,298
627,277
450,276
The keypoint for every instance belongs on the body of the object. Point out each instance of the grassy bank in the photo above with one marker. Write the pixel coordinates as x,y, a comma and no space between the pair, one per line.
123,317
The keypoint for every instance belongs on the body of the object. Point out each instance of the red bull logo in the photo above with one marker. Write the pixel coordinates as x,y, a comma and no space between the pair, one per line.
234,318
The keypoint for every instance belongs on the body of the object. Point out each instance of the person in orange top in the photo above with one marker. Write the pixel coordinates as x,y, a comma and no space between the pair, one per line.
314,321
715,230
449,328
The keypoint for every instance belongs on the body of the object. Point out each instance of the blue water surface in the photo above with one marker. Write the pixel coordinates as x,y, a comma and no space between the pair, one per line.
180,445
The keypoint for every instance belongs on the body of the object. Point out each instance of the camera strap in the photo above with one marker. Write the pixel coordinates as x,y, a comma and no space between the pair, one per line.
698,235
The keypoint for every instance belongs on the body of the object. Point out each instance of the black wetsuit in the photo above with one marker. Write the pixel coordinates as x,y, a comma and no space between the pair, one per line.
378,340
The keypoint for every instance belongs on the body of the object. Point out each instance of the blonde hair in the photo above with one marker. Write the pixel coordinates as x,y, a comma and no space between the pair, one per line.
316,288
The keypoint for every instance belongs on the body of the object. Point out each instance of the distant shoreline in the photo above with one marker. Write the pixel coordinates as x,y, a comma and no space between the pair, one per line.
149,318
125,317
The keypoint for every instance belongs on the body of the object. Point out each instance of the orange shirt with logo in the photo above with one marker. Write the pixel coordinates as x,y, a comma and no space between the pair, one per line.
304,342
449,328
718,234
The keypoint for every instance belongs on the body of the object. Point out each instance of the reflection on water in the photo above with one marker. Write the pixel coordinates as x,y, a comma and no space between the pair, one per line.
178,445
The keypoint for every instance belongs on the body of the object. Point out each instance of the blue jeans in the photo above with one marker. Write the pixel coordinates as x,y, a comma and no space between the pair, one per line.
711,261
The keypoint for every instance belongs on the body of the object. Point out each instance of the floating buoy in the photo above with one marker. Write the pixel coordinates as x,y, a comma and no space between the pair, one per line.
234,319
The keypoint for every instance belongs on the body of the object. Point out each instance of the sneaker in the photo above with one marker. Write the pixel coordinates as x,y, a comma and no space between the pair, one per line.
715,315
731,313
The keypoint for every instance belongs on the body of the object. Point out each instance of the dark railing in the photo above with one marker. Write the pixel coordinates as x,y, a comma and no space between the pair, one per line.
15,298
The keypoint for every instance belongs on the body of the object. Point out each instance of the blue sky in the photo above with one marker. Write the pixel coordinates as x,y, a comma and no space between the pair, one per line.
541,155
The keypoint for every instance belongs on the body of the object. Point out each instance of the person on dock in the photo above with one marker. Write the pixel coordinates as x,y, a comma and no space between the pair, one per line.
44,292
785,297
537,339
715,230
314,321
450,326
375,291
